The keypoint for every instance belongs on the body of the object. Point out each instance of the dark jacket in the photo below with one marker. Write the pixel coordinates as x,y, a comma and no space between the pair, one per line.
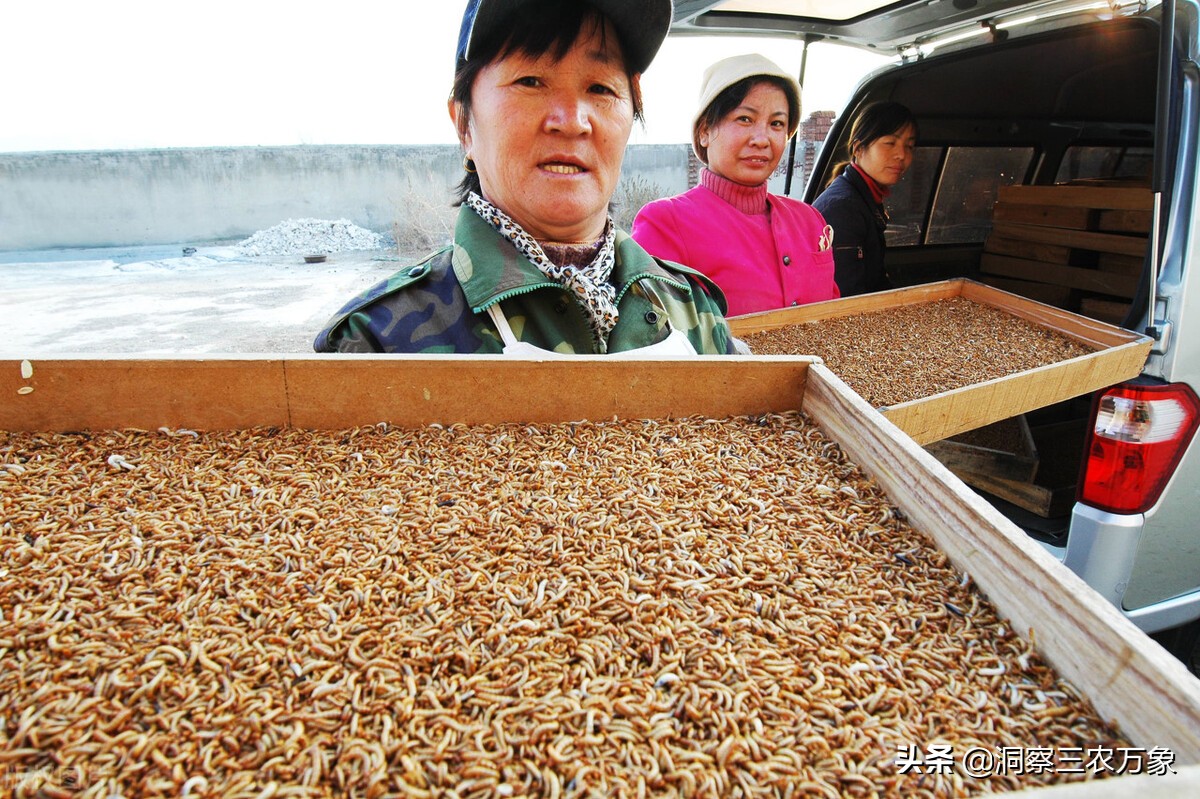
858,224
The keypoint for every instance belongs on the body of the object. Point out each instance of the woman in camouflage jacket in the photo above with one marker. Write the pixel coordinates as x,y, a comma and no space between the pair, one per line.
545,95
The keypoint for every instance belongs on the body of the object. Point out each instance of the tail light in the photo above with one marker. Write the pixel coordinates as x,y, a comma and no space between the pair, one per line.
1139,433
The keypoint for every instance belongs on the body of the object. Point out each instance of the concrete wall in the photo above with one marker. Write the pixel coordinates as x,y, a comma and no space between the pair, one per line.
136,197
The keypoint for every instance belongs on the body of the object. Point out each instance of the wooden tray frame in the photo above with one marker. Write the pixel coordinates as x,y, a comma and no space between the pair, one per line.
1120,355
1129,678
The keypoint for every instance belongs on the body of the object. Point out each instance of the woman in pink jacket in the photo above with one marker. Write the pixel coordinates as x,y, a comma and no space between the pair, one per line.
764,250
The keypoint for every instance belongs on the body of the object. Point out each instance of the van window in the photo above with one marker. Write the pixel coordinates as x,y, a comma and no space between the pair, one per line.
1106,162
909,198
971,178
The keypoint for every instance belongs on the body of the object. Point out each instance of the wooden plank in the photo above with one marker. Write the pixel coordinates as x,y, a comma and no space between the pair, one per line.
1001,449
959,457
1111,311
1027,445
1046,215
342,391
1052,491
1120,183
1080,239
87,394
1056,274
1059,296
1031,250
1088,640
1045,501
1125,221
1104,197
1120,264
949,413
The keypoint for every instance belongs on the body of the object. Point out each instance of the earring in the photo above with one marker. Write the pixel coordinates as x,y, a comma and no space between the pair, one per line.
468,164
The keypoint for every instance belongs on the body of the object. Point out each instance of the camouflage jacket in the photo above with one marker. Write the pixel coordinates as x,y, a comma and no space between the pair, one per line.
440,304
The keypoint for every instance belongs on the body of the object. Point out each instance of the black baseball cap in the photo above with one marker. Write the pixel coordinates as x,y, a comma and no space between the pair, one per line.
641,25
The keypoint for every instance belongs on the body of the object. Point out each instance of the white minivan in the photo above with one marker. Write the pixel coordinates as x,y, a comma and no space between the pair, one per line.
1050,92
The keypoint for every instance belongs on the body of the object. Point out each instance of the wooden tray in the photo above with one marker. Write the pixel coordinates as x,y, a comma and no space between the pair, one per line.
1120,355
1129,679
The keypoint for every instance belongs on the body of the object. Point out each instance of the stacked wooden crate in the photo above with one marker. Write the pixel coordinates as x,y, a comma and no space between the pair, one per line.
1033,468
1003,449
1080,247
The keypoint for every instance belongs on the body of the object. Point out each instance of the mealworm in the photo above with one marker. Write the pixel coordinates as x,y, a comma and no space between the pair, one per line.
504,623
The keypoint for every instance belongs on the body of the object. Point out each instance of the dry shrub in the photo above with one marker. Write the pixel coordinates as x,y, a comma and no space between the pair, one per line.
424,220
632,193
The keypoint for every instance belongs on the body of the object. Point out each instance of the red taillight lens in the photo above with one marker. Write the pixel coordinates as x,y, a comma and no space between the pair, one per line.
1138,435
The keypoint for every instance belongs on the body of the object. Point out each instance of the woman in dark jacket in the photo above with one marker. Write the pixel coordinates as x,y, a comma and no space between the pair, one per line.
881,146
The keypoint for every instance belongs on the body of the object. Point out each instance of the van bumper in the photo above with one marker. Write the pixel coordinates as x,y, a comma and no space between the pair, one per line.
1101,549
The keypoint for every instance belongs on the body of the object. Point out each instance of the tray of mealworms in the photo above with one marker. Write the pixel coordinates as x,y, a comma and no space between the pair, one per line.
947,357
691,604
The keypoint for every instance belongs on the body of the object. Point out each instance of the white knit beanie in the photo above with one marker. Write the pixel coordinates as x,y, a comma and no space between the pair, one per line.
728,71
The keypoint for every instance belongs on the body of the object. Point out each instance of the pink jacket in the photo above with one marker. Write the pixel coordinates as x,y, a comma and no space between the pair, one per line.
761,261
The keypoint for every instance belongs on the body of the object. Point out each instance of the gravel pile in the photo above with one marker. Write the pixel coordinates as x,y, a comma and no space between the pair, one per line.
311,237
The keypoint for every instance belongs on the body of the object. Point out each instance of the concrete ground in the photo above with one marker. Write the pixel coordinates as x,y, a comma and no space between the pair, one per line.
155,301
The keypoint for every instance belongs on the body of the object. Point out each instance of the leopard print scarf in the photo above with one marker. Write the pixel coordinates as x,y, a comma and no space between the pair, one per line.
588,283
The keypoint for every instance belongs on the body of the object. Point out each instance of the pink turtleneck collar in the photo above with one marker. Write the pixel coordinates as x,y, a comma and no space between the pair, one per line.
747,199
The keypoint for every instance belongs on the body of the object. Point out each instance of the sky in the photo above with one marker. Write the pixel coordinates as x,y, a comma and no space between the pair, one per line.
131,74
